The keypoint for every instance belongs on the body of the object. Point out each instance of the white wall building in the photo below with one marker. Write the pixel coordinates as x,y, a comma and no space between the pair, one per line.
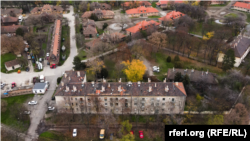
40,88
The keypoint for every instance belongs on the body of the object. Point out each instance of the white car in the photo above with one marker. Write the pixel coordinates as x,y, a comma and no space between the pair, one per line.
51,108
47,54
74,132
32,103
156,69
26,112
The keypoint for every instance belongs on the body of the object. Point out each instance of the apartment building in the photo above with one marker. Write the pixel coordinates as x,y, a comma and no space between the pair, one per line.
50,9
76,95
171,16
54,57
241,6
101,14
142,11
143,25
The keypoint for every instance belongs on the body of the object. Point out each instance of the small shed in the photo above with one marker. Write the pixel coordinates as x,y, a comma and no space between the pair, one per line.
40,88
13,64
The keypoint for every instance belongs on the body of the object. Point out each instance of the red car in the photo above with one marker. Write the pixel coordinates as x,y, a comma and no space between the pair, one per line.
53,66
132,132
141,134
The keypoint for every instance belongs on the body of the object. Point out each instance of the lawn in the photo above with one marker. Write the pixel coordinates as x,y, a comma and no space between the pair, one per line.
231,15
4,58
164,66
99,31
81,54
219,5
110,66
198,29
154,4
66,43
50,135
7,118
154,17
34,29
248,18
122,11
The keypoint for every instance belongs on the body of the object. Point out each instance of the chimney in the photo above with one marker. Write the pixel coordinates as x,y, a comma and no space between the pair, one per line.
78,74
104,80
166,89
150,89
93,83
69,78
62,83
67,88
176,83
207,72
149,80
202,73
155,84
164,81
173,69
120,80
192,70
74,88
139,83
65,75
119,89
109,85
103,88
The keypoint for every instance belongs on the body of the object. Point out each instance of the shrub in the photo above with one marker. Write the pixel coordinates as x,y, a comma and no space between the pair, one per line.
169,59
94,17
105,25
177,65
176,58
59,80
104,73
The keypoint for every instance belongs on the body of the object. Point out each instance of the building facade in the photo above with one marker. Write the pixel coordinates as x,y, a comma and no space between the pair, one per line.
128,5
13,64
142,11
49,9
143,25
241,6
54,57
170,16
148,98
101,14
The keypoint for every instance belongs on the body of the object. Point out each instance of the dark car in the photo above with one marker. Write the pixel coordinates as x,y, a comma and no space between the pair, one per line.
53,98
27,69
48,63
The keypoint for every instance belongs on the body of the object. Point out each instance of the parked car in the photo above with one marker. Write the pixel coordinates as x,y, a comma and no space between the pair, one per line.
156,69
13,84
51,108
102,132
53,98
141,134
48,63
47,54
26,112
2,85
40,59
32,103
27,69
74,132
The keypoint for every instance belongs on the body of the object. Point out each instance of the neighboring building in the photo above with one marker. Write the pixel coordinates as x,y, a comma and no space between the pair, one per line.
89,29
101,14
214,2
143,25
112,37
11,30
171,16
194,75
102,6
93,43
241,47
142,11
47,9
13,64
241,6
120,97
164,3
7,12
40,88
6,21
127,5
56,43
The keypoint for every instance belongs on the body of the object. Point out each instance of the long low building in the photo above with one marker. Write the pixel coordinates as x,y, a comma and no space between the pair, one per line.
142,11
77,95
56,43
241,6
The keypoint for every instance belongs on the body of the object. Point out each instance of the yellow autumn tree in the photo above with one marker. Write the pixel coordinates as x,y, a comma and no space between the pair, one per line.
208,35
88,7
134,70
58,2
196,3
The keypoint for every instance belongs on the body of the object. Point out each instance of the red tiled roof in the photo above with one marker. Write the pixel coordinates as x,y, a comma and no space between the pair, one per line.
171,15
142,25
141,9
242,5
9,19
140,3
86,14
56,38
46,6
166,2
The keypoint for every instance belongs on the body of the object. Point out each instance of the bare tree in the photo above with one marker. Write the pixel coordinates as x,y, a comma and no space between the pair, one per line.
159,39
95,66
239,115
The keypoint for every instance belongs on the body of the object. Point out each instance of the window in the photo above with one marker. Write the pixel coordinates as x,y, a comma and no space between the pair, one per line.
116,99
106,104
88,99
163,104
152,99
135,99
135,103
152,104
126,104
76,104
143,99
142,104
111,99
163,99
157,104
66,109
172,99
72,104
76,109
71,98
105,98
116,104
75,98
40,90
111,104
162,110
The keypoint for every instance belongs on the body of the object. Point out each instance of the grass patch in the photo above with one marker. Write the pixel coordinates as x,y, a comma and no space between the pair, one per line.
231,15
99,31
7,118
51,135
122,11
110,66
163,64
153,4
219,5
248,17
5,58
66,43
34,29
82,54
154,16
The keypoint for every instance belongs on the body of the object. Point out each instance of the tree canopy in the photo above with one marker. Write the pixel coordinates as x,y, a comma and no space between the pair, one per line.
134,70
228,60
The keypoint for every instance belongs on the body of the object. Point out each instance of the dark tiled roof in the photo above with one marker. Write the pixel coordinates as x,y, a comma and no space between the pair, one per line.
73,76
12,29
241,46
90,30
194,76
9,19
7,11
111,89
12,63
94,43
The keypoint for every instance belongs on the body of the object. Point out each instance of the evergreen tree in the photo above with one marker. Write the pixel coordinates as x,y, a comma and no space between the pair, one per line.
186,80
178,77
176,58
169,59
20,32
77,63
105,25
228,60
94,17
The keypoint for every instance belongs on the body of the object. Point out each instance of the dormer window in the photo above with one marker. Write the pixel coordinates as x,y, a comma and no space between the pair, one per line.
141,11
144,10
